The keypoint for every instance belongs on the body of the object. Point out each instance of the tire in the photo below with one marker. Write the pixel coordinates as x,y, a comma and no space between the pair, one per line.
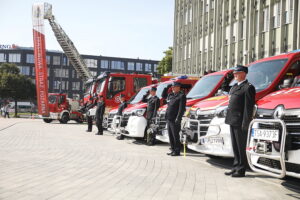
64,118
47,120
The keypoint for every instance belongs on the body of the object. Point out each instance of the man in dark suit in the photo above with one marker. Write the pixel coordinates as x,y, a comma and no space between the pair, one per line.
122,106
176,108
153,104
239,115
99,115
88,117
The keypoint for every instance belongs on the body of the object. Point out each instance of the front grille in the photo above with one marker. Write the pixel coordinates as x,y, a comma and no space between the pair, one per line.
161,122
203,120
292,127
110,119
125,119
290,167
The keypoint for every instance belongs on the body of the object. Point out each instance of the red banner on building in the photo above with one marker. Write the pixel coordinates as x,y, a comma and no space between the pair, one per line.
41,71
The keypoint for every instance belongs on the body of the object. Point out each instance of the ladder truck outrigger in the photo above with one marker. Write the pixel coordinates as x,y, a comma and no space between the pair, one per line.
109,85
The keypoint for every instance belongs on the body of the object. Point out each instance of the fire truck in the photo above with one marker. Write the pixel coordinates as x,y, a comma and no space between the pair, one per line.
63,109
111,85
133,120
207,122
273,145
107,84
206,87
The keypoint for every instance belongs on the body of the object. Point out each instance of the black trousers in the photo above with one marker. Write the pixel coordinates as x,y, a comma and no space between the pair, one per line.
90,123
99,125
173,131
6,114
239,141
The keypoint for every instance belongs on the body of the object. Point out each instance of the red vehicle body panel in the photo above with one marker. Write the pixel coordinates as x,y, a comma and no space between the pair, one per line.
287,97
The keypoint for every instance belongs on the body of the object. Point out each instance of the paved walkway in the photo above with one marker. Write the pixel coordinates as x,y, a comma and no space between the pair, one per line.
56,161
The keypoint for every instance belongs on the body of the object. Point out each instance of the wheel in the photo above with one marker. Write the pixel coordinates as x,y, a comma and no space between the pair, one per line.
64,119
47,120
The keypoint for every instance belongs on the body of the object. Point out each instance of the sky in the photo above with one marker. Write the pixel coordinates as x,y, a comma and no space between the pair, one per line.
118,28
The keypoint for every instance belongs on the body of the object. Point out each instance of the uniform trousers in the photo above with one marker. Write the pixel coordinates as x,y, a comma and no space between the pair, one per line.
239,140
173,131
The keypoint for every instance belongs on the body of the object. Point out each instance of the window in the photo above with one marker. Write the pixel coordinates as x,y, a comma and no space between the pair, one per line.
33,71
276,15
14,57
64,85
190,14
117,65
92,63
130,66
185,50
186,17
148,67
2,57
56,60
139,83
62,73
139,67
29,58
104,64
115,86
74,74
65,61
56,85
189,50
155,68
94,73
48,59
266,19
75,85
25,70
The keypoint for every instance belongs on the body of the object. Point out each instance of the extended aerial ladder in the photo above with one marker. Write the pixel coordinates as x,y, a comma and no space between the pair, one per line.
41,11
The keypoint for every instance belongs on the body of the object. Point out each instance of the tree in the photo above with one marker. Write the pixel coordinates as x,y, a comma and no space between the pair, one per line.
165,65
15,85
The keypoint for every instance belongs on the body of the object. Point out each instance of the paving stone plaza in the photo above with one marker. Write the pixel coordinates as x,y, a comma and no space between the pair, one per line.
62,161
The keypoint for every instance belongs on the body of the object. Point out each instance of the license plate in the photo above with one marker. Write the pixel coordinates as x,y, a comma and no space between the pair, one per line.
214,140
265,134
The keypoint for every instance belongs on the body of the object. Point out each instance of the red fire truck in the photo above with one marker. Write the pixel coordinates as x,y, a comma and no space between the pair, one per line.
273,146
208,121
63,109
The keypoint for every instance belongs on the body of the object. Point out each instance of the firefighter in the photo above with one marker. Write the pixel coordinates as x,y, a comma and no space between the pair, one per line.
176,108
239,115
122,106
88,117
99,115
153,104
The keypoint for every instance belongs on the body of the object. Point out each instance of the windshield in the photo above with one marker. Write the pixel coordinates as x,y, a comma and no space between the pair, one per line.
88,88
204,86
161,88
262,74
52,99
138,97
100,85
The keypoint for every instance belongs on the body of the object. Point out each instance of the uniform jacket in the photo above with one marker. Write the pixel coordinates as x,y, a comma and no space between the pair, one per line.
176,106
100,110
153,104
122,106
241,105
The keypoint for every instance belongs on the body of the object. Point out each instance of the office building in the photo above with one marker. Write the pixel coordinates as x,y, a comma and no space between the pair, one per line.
218,34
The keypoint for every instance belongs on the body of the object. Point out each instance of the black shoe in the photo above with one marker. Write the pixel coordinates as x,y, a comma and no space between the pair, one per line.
236,174
88,131
175,154
229,173
120,137
99,133
170,153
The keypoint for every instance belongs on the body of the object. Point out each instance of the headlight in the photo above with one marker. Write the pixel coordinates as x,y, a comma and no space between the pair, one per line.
139,112
221,112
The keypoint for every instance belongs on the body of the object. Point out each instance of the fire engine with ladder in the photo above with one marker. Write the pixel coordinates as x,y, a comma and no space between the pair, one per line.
57,105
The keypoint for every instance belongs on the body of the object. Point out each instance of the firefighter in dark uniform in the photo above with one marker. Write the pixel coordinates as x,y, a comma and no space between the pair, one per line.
88,117
153,104
239,115
99,115
122,106
176,108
